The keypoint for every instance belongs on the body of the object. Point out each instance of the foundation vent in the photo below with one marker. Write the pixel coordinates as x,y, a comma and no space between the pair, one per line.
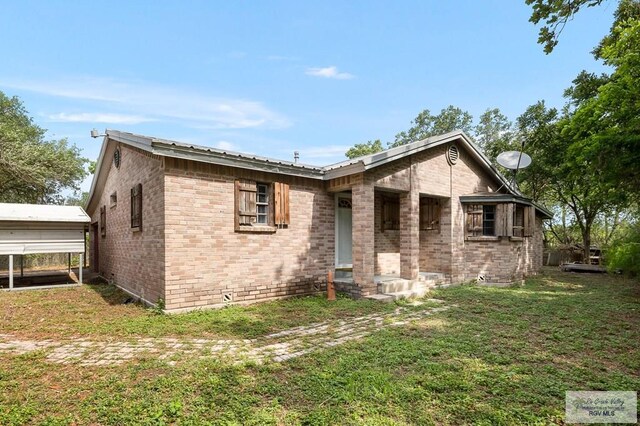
452,154
227,297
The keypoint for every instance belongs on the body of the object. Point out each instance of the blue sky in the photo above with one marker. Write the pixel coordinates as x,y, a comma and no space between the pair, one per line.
273,77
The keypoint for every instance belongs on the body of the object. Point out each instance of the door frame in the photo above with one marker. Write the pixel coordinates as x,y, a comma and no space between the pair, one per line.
336,237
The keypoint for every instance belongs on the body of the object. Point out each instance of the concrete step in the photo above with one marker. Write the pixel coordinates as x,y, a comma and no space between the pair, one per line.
399,285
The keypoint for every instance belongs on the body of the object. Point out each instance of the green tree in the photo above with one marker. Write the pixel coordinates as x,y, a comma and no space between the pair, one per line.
494,133
606,125
425,125
360,149
555,14
32,169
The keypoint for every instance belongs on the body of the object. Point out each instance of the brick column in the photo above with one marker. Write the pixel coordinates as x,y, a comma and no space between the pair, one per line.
410,234
363,254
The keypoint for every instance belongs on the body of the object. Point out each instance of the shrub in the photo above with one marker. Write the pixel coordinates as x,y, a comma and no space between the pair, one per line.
624,253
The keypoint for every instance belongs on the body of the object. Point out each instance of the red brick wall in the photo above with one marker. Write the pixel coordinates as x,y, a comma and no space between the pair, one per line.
189,253
134,260
206,257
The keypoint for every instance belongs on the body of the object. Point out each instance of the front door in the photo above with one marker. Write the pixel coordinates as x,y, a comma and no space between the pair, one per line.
343,231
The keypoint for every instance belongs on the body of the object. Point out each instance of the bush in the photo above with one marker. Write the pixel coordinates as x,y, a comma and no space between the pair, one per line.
624,254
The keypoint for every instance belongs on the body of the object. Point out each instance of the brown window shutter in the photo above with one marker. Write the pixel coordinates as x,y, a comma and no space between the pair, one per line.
437,214
281,203
474,220
136,206
504,220
139,210
103,221
529,221
245,198
390,214
430,210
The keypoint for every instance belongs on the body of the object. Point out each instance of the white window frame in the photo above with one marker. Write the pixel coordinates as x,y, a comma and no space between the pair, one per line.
265,192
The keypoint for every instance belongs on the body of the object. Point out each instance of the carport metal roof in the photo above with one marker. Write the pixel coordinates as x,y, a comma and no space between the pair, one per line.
36,228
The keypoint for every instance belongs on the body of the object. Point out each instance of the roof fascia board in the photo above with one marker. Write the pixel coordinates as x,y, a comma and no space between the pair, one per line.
187,153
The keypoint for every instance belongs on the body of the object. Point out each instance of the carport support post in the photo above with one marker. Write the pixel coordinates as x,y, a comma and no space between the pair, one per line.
69,257
21,265
80,270
10,272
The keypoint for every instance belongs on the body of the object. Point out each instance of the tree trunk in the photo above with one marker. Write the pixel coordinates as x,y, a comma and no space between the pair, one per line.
586,244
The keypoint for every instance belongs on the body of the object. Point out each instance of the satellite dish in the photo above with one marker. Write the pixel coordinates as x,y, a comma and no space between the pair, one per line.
514,160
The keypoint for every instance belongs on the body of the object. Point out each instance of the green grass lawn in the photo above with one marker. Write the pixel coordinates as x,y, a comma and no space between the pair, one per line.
502,356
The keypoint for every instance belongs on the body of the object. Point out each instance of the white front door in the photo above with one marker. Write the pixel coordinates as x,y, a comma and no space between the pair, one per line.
343,231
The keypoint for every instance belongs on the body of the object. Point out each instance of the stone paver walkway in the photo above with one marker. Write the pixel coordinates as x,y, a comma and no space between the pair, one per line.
277,347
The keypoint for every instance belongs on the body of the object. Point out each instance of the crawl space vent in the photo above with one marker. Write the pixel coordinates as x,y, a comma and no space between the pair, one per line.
452,154
227,297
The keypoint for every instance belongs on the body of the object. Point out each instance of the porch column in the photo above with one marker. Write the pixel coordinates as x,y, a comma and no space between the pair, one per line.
362,196
80,269
410,234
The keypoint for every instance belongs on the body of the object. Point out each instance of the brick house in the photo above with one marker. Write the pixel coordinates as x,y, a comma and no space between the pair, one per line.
200,227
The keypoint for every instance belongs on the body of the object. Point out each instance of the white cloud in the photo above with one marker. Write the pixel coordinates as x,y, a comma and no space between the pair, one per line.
155,102
97,117
329,72
225,145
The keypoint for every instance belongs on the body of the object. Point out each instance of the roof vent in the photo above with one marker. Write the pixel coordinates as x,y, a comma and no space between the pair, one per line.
452,154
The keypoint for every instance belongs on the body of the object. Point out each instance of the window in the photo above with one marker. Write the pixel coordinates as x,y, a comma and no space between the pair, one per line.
513,220
262,203
481,220
261,206
430,210
103,221
136,207
113,199
488,220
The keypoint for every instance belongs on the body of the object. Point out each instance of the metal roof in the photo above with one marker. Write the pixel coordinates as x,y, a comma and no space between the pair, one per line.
42,213
169,148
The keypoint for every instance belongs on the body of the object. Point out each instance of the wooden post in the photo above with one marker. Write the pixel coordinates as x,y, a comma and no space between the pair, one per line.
80,269
84,242
331,290
10,272
21,265
69,268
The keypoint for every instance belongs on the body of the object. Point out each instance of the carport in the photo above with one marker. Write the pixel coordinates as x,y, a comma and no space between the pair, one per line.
35,228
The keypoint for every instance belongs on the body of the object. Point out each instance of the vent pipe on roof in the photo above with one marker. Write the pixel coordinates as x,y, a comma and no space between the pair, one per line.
296,156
